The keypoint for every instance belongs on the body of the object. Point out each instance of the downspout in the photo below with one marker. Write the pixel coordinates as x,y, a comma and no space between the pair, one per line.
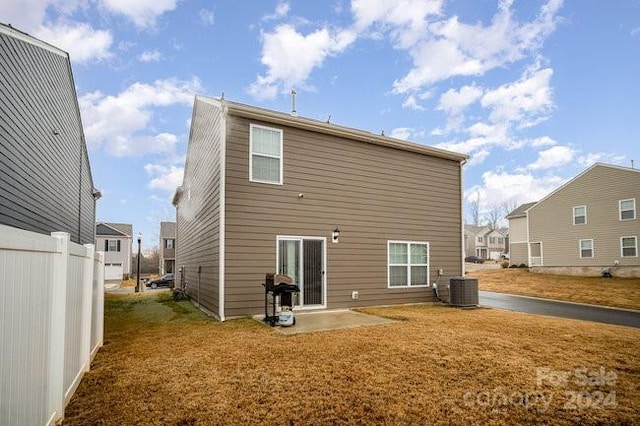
462,253
222,221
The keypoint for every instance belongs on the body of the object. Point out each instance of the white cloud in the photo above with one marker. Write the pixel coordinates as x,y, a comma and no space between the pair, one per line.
635,31
207,17
412,103
26,15
119,121
478,157
166,178
143,13
81,41
282,9
553,157
526,101
543,141
150,56
499,187
455,101
600,157
450,48
406,20
402,133
290,57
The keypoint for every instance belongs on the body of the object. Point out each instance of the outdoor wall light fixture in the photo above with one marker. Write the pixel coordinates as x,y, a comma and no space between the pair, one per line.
335,235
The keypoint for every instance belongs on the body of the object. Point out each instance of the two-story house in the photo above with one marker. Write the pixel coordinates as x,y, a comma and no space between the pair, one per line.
45,178
354,218
116,241
589,224
484,242
167,247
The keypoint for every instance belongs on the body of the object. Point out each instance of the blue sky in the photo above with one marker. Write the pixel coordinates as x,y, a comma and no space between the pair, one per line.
533,91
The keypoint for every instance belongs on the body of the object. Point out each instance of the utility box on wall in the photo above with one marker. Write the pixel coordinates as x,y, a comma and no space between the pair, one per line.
463,291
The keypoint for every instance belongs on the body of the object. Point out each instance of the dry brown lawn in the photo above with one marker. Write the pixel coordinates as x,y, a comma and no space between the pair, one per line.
616,292
164,363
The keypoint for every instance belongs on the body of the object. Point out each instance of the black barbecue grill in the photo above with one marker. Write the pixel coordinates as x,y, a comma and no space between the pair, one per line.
280,288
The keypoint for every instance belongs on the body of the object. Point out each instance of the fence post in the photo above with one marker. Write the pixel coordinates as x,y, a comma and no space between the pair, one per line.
87,302
97,339
57,325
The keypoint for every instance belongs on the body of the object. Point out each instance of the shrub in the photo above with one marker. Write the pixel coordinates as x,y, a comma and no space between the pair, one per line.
504,264
522,265
513,266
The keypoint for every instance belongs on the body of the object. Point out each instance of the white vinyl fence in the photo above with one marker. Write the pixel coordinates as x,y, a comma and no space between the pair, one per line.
51,322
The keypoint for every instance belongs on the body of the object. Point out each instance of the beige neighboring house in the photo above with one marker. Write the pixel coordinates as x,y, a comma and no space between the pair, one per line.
167,247
355,218
484,242
587,225
116,242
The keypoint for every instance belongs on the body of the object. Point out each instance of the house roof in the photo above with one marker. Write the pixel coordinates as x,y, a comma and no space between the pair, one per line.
277,117
114,229
521,210
474,229
167,229
584,172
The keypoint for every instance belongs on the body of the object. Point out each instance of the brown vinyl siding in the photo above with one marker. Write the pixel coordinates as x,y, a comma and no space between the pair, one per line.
373,193
599,189
198,210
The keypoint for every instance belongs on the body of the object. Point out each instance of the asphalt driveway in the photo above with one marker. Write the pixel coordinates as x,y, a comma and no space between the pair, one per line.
556,308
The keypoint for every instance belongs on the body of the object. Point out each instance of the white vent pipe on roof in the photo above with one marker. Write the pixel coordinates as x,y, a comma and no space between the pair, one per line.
293,103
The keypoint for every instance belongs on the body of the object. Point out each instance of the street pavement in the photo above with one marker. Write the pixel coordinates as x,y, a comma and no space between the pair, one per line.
532,305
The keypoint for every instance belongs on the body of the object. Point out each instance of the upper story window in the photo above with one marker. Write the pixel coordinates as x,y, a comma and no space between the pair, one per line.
628,209
169,243
492,240
629,246
408,263
586,249
265,155
579,215
480,239
111,245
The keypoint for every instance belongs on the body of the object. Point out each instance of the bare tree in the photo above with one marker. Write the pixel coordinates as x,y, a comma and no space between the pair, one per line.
493,218
510,205
474,208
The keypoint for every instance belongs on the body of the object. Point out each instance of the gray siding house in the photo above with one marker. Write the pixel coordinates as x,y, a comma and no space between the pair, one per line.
116,241
484,242
354,218
589,224
45,177
167,246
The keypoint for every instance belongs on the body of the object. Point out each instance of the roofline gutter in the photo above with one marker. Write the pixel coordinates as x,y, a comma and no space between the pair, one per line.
266,115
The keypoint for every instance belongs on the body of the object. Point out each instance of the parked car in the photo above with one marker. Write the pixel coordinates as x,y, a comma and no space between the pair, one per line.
166,280
473,259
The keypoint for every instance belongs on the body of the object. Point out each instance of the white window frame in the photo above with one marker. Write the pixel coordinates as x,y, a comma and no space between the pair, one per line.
576,216
251,154
408,264
115,245
620,209
593,250
166,243
635,246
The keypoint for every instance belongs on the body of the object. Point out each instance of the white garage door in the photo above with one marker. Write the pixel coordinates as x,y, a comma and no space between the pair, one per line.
113,271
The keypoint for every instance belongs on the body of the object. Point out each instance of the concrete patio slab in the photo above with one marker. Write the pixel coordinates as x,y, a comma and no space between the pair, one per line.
309,322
